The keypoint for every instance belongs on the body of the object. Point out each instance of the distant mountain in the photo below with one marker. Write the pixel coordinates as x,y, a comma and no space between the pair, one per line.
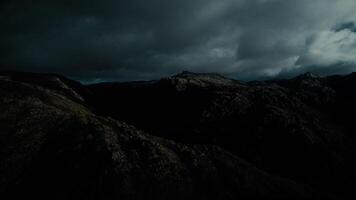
192,135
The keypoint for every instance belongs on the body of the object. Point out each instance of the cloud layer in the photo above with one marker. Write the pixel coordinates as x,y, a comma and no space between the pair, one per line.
138,39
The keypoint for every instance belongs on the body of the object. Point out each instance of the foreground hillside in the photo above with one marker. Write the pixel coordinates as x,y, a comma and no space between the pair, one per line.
192,135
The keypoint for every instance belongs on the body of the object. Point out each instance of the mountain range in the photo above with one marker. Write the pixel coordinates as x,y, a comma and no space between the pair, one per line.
188,136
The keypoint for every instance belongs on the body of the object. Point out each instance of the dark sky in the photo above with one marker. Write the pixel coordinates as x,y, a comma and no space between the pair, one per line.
146,39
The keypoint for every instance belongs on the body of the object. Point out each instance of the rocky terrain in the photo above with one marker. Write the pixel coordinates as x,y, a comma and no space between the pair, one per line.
189,136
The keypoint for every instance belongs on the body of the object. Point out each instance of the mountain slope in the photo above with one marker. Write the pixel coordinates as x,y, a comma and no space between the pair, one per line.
299,129
54,147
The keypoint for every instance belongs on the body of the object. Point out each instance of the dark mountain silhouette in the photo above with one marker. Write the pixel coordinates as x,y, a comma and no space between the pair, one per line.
189,136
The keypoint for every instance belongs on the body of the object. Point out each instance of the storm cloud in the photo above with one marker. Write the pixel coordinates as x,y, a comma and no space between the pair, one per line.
139,39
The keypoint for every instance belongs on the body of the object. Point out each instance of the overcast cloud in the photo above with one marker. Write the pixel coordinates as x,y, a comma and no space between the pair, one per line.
145,39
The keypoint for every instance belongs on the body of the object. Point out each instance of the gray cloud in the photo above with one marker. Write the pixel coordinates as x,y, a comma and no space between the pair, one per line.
138,39
345,26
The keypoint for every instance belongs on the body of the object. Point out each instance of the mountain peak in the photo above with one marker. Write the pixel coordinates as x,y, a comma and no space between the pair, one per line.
308,75
189,74
186,73
185,78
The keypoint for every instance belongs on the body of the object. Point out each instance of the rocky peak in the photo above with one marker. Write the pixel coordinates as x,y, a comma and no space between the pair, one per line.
185,79
308,75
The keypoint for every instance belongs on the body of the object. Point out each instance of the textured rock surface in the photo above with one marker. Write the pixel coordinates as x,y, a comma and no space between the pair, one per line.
206,137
